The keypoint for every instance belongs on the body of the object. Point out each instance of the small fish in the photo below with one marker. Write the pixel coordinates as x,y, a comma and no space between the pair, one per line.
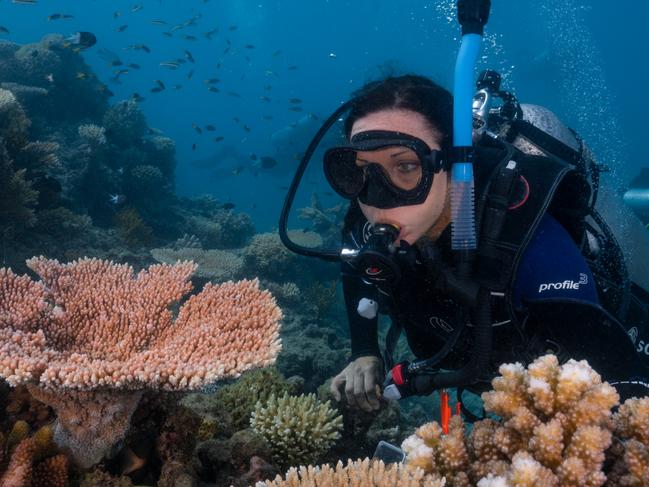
139,47
82,40
234,94
137,8
295,109
82,75
253,156
49,77
122,28
292,68
116,199
158,22
53,17
268,87
193,146
247,129
4,30
176,27
115,63
264,98
267,117
213,89
116,14
226,50
249,46
189,37
237,171
212,81
120,72
67,16
295,100
210,128
332,55
136,97
160,83
177,87
236,119
170,64
190,74
156,89
189,56
228,206
133,66
168,34
25,2
268,162
277,53
211,33
232,28
247,60
197,128
218,138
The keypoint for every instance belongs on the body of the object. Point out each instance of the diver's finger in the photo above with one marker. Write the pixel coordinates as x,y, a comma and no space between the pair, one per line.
369,381
359,393
336,383
349,390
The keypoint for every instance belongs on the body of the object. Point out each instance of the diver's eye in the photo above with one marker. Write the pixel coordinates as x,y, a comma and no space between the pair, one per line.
408,167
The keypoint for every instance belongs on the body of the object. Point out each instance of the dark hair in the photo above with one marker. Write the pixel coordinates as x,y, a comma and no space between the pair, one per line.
408,92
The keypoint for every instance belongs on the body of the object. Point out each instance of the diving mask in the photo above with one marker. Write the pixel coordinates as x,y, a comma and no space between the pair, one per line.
382,178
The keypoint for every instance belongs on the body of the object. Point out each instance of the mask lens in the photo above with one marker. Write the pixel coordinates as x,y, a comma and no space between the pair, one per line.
400,165
344,175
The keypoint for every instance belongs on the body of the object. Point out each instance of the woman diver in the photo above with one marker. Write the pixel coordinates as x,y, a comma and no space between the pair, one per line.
394,171
545,275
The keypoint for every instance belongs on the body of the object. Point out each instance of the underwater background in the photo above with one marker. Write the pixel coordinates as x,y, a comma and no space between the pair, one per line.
175,137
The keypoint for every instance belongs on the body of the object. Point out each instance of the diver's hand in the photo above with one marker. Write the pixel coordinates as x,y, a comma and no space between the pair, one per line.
361,379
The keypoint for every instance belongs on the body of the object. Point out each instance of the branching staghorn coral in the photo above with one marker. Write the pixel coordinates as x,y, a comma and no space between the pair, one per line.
554,430
362,473
299,429
91,336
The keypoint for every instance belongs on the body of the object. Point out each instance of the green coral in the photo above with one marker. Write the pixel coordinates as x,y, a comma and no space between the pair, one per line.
239,398
299,429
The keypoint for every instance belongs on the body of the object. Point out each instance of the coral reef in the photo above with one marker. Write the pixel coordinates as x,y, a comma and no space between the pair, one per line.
238,400
299,429
309,349
91,336
31,460
554,430
94,134
124,123
132,228
268,257
366,473
214,264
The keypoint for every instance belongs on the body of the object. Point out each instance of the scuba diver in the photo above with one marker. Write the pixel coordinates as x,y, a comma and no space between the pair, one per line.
481,252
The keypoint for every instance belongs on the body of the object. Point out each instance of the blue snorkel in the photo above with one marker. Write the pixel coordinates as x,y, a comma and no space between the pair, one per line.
472,16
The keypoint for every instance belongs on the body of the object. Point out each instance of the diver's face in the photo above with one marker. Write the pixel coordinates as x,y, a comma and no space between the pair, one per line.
413,220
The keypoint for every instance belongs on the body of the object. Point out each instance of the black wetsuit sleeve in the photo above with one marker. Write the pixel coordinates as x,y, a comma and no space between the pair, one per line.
363,331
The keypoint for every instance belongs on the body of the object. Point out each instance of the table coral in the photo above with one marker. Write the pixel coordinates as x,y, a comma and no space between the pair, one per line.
90,336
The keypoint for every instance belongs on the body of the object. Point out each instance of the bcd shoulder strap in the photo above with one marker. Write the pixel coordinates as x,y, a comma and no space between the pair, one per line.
512,203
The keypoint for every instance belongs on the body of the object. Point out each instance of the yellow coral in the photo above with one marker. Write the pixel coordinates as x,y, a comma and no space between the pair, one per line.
554,429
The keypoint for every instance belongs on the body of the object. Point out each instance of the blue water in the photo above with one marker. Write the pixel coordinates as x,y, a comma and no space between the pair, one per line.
584,60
